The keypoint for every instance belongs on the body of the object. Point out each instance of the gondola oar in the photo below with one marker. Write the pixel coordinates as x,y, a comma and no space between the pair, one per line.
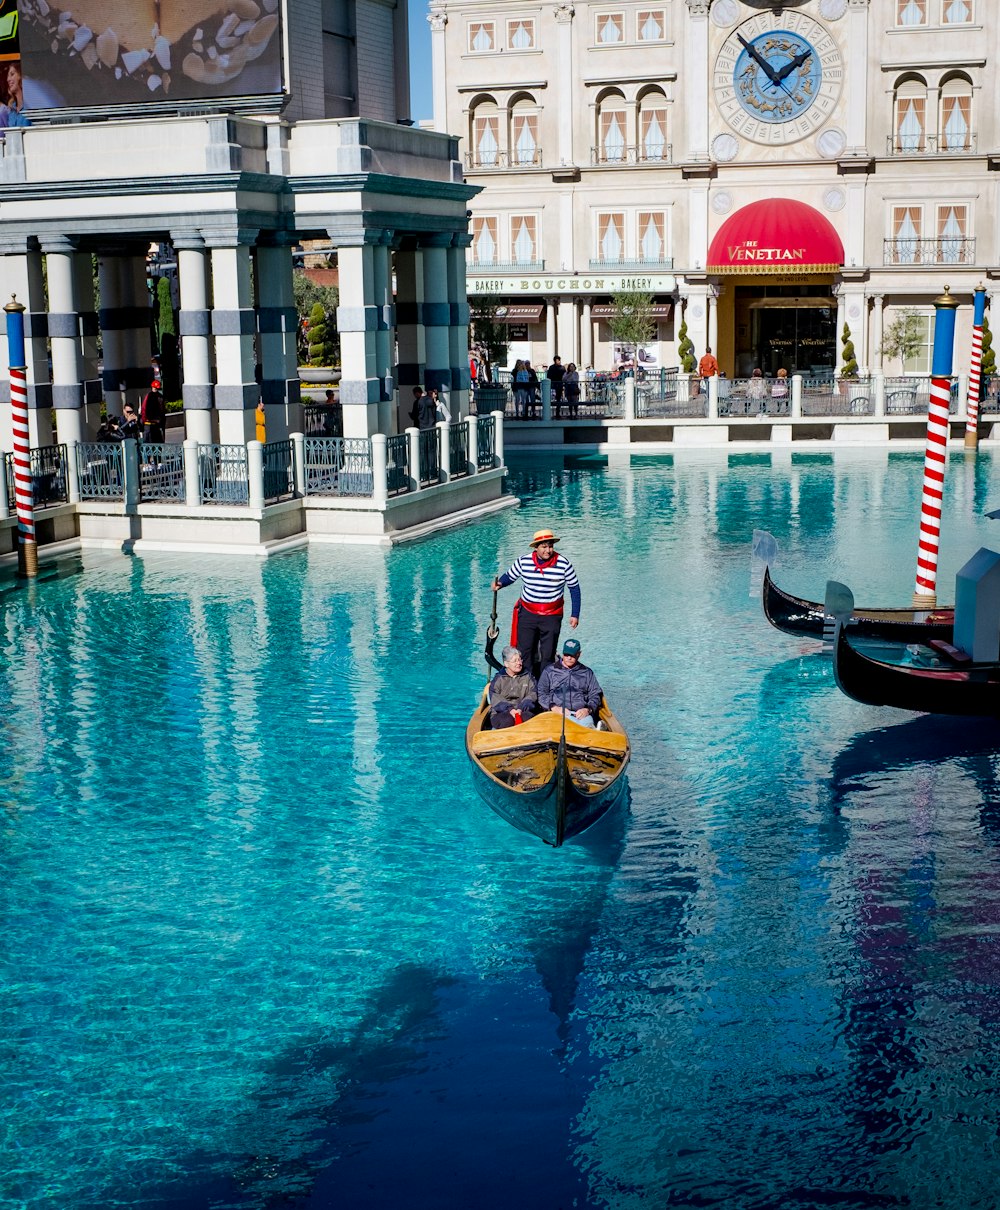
492,634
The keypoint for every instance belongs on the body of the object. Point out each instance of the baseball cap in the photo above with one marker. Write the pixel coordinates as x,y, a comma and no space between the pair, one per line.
571,647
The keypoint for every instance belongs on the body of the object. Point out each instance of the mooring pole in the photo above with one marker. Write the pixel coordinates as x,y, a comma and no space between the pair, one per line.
27,548
936,456
975,369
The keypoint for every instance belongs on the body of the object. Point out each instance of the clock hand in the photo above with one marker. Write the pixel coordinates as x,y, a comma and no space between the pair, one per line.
759,59
793,64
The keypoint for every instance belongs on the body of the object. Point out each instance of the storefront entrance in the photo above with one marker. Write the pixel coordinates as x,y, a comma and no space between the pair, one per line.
785,327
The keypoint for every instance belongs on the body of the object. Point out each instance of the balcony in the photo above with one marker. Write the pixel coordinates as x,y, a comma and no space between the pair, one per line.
931,144
661,264
502,161
615,157
480,268
947,251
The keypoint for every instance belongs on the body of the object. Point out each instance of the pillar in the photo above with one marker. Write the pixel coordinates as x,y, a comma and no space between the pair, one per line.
713,320
277,325
565,97
841,320
385,333
195,326
698,71
409,326
566,323
587,352
550,330
234,325
64,338
439,69
878,329
436,311
22,275
357,322
459,331
124,318
856,80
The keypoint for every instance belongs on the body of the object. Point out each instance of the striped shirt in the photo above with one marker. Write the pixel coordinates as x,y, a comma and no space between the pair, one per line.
544,585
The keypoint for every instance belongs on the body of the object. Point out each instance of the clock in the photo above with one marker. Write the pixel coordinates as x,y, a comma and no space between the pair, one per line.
777,77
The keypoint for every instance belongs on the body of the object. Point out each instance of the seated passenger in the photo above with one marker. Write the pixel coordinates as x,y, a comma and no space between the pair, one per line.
569,687
513,694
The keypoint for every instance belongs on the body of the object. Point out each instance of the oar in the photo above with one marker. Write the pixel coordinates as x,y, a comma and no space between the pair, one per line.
492,633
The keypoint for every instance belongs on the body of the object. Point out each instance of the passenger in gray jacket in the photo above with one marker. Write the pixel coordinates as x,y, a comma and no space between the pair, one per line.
569,687
513,693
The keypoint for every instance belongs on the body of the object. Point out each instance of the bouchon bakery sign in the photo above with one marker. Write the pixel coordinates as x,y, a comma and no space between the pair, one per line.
570,283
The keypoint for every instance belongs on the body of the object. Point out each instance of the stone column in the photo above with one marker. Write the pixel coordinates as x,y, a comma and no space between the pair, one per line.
841,314
64,337
23,276
90,331
698,73
568,346
277,323
856,78
713,320
438,19
125,321
458,334
696,314
437,311
195,326
385,332
878,329
409,327
587,352
357,322
550,330
565,96
234,326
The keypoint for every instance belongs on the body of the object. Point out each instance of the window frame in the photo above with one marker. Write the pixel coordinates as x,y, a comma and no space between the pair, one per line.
650,12
484,220
512,22
901,5
531,217
477,25
971,20
618,17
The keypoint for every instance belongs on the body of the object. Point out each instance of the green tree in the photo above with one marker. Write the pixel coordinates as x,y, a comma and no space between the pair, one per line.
685,348
631,321
320,351
307,294
489,333
904,337
849,366
164,308
989,363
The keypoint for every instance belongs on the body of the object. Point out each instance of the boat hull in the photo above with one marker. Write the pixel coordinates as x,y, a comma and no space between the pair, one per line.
971,690
552,785
798,616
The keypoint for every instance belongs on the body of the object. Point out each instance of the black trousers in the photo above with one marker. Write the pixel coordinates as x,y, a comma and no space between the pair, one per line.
536,635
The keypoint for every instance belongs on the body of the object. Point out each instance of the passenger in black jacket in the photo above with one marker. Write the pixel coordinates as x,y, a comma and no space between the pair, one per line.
571,688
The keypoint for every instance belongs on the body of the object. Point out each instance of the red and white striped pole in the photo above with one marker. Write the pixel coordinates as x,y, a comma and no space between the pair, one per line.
975,369
27,548
936,457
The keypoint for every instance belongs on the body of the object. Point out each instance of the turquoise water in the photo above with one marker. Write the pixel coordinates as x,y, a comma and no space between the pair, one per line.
262,945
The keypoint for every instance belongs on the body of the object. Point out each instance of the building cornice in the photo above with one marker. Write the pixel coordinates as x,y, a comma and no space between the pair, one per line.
933,64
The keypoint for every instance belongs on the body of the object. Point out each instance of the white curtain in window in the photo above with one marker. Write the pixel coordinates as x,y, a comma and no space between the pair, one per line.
482,39
651,30
520,38
524,243
906,241
911,13
525,145
911,131
956,112
614,138
610,31
952,236
654,135
957,13
652,241
611,237
485,245
487,145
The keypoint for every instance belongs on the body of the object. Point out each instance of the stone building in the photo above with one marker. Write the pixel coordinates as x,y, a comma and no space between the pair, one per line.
775,170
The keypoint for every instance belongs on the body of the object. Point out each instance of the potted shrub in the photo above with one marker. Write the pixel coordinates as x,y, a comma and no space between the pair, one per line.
848,363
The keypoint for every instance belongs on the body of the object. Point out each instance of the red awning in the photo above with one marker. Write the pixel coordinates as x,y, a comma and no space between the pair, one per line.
606,310
777,235
519,314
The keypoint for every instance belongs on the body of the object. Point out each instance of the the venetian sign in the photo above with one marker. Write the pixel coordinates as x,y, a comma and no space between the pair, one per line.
751,252
572,283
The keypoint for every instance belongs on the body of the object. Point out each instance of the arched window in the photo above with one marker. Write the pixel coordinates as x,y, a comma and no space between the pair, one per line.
653,128
612,126
486,135
955,132
910,123
524,149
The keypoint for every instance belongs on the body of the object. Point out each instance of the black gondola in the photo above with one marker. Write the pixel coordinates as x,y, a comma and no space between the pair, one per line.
796,615
933,679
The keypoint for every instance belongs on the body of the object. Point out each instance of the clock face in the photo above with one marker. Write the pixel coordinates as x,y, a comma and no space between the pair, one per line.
778,77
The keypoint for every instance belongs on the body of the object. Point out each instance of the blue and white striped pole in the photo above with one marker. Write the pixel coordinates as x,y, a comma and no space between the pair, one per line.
27,548
975,369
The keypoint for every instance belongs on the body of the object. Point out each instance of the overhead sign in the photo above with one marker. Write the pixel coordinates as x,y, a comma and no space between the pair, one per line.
95,53
569,283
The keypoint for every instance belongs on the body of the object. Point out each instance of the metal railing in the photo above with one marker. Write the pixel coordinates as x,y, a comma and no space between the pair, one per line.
397,450
911,394
161,472
945,251
48,475
429,442
339,466
323,420
100,468
631,154
458,449
824,395
223,473
507,266
932,144
660,392
628,264
486,428
279,471
504,159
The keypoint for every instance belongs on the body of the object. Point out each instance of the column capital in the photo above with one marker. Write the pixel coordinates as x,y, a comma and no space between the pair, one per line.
231,237
59,243
278,239
437,21
436,239
350,235
698,8
462,240
564,13
187,239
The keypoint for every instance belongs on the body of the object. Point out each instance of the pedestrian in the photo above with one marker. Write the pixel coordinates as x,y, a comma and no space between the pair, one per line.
571,388
708,367
538,612
426,406
521,380
555,374
441,409
414,412
260,422
153,413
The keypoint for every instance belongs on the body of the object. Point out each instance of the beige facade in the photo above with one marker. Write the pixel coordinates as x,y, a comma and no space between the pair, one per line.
614,140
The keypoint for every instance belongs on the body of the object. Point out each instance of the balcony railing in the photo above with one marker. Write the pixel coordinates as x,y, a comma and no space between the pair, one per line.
932,144
638,265
947,251
614,156
506,160
505,266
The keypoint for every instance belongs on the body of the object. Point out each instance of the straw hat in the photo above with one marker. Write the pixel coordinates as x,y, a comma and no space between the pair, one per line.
543,535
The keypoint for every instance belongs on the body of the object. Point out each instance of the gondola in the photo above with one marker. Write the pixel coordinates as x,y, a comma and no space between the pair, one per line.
932,679
548,776
795,615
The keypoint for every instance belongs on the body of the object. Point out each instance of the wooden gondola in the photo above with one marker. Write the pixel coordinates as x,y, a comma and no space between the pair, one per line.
933,679
547,778
795,615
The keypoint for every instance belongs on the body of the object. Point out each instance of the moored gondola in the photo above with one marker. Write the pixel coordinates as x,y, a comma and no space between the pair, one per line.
932,679
548,776
798,616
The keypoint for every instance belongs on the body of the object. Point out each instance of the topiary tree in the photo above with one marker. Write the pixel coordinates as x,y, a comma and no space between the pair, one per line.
849,366
685,348
307,295
989,363
320,348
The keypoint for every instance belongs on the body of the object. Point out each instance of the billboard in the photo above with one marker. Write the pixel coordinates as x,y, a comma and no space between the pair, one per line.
96,53
11,89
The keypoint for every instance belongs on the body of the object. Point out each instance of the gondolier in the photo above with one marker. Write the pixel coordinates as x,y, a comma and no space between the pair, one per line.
537,618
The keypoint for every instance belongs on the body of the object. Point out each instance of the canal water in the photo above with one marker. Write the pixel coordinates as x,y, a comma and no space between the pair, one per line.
262,946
